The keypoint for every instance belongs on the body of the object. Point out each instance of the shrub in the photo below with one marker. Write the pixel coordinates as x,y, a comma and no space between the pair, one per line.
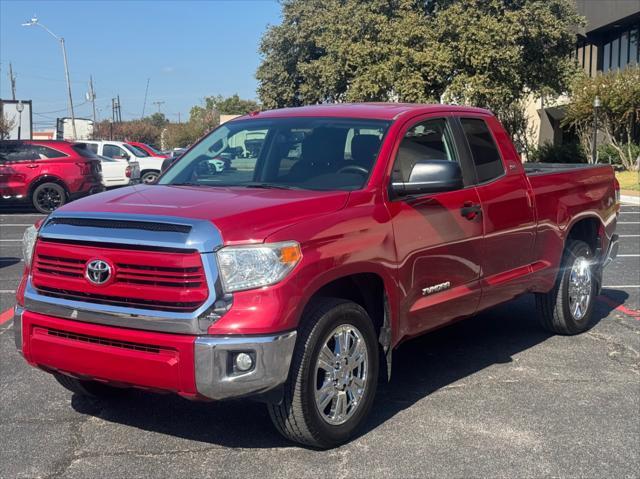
566,153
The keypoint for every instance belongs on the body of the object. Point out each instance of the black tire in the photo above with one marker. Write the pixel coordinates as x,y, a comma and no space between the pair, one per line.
149,177
48,197
88,388
297,417
555,307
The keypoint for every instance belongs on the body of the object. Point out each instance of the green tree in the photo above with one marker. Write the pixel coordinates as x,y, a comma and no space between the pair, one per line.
207,116
157,119
619,94
489,53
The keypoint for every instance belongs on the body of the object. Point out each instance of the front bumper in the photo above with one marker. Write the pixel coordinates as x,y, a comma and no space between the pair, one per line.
192,366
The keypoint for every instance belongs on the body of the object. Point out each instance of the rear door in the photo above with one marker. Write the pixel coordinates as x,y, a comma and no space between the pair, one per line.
438,249
507,210
18,166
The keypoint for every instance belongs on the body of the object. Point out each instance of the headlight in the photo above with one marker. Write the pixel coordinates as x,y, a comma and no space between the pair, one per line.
253,266
28,242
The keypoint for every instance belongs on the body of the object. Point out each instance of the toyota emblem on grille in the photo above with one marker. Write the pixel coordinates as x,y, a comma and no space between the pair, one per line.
98,271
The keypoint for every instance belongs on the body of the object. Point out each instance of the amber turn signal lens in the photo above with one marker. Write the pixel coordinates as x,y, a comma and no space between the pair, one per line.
290,254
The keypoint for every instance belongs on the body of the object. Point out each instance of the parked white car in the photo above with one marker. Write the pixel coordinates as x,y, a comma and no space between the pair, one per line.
119,172
150,166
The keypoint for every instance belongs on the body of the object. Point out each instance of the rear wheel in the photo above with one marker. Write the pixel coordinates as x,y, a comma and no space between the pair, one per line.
333,376
568,307
88,387
48,197
150,177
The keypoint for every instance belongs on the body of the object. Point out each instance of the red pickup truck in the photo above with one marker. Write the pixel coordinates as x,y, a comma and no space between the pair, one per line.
291,274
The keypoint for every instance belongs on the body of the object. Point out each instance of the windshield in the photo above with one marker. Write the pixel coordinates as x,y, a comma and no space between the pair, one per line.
300,153
140,153
153,150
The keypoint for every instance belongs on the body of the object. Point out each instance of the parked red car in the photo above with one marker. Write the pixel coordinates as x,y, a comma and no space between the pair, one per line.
47,173
150,150
340,232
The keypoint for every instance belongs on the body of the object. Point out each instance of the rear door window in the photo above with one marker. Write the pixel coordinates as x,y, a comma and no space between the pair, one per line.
484,151
45,153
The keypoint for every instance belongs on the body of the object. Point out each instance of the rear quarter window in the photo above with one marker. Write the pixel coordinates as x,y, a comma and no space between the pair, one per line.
484,151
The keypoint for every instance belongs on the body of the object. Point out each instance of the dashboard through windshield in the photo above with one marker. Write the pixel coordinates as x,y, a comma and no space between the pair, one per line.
296,153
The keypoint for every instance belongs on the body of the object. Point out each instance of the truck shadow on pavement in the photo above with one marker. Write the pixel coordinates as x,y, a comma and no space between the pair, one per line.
420,367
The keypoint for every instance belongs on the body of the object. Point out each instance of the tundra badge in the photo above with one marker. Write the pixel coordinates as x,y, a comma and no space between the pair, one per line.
436,288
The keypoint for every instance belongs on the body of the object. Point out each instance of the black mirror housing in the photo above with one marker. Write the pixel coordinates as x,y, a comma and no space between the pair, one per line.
430,176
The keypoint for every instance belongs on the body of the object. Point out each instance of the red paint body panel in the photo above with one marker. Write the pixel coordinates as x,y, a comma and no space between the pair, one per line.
114,360
514,247
72,170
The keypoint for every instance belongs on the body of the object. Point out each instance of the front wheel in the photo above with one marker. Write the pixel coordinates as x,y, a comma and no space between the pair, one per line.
333,377
568,307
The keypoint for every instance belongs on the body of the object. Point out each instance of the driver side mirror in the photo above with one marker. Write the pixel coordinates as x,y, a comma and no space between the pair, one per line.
430,176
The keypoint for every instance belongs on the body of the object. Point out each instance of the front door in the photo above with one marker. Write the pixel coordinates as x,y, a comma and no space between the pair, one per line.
438,246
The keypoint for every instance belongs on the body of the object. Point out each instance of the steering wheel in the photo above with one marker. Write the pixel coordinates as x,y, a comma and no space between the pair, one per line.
353,168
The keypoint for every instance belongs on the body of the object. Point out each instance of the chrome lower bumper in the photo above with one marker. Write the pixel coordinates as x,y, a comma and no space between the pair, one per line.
216,376
612,251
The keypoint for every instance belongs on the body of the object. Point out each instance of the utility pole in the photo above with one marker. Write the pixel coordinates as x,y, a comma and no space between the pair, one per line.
119,111
92,99
113,110
159,104
179,118
144,105
12,79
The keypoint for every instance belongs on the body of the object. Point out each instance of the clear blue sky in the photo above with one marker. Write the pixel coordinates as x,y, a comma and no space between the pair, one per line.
189,50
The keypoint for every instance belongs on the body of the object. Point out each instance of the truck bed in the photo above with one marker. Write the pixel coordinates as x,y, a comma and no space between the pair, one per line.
544,168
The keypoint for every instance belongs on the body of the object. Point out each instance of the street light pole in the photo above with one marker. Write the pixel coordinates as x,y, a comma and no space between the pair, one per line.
34,21
20,108
594,143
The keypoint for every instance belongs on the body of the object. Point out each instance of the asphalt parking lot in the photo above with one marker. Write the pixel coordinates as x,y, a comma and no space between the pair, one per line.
494,396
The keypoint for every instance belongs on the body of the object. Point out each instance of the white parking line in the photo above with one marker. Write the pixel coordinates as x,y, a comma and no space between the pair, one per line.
619,222
31,224
623,286
628,256
22,214
629,236
11,241
7,291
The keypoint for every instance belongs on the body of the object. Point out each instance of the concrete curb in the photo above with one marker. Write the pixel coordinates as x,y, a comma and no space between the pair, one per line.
630,200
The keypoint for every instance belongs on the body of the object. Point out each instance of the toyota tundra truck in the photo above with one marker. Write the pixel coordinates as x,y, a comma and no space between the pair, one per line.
291,275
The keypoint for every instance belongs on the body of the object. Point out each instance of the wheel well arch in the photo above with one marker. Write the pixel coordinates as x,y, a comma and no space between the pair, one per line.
365,289
48,179
589,230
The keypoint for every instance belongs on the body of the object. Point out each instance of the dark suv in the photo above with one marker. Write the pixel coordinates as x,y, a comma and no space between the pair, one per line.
47,173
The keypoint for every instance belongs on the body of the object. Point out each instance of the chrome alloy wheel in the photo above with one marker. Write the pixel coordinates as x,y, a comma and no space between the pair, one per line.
580,287
341,374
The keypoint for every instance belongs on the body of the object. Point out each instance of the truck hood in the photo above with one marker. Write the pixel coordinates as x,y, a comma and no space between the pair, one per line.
241,214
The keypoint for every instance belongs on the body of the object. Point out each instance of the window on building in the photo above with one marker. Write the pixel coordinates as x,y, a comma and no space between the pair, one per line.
483,149
633,46
615,54
606,57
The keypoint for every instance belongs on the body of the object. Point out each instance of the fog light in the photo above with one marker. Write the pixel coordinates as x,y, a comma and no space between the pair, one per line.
244,362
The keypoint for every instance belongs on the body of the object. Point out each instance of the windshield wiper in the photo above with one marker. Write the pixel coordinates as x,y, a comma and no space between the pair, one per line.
270,186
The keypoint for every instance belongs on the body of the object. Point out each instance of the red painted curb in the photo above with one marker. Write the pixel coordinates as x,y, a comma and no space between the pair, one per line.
6,315
634,313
